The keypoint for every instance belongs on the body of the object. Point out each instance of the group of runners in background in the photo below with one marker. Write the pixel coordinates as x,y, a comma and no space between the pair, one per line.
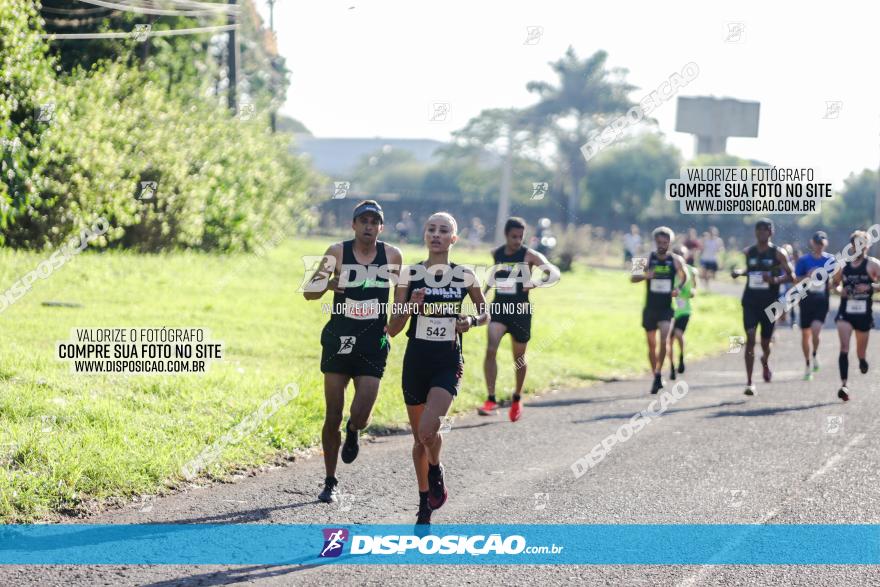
429,305
671,283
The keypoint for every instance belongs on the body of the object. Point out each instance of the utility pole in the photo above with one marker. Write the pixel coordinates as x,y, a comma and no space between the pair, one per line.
232,61
504,195
273,118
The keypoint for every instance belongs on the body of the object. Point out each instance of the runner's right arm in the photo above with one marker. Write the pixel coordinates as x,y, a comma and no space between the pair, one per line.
837,284
401,310
648,274
739,272
319,283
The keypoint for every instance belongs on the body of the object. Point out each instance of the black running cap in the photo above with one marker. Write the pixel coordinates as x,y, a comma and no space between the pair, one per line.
820,236
366,208
764,222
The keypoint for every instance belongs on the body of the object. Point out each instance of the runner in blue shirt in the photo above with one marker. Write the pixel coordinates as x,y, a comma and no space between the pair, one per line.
814,307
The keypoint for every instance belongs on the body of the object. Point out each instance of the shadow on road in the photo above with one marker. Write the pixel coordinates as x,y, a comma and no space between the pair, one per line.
575,401
629,415
229,576
772,411
244,516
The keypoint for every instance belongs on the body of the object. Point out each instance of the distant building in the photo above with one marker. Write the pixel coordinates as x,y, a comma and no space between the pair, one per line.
337,157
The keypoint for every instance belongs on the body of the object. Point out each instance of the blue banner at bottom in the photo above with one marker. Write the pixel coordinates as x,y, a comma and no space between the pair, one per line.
277,544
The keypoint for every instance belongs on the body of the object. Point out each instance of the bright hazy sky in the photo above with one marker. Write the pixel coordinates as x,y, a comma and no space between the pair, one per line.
366,69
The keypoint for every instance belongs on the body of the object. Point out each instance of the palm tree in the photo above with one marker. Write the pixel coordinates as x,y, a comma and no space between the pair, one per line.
587,98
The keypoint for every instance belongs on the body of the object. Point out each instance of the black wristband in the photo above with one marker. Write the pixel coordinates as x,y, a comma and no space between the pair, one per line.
474,321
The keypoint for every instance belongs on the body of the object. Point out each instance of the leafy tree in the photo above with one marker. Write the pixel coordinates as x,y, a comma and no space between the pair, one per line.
623,181
194,61
25,92
221,182
586,94
853,207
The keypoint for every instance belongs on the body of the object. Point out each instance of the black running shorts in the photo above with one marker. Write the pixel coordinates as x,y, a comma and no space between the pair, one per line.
651,317
421,372
813,309
753,316
681,323
860,322
346,357
518,325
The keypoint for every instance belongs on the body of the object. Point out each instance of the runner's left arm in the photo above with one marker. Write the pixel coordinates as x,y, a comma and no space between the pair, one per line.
683,275
874,273
787,269
536,259
475,292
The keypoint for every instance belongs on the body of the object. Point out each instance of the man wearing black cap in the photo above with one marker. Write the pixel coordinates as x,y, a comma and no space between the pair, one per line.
767,266
814,307
354,341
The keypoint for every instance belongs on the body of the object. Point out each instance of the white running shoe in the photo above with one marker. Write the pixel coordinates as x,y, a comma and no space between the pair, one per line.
750,390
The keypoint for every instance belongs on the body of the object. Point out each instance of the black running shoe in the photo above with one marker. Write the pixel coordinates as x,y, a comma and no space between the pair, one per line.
350,447
842,394
658,384
437,493
863,366
672,372
424,515
330,493
681,364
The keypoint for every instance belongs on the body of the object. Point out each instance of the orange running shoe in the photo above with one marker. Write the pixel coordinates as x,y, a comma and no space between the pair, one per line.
515,411
489,408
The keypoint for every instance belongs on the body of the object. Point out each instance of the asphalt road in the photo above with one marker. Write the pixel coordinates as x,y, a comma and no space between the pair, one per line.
792,454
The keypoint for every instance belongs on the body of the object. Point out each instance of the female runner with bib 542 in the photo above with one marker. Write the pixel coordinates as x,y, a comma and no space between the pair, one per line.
433,363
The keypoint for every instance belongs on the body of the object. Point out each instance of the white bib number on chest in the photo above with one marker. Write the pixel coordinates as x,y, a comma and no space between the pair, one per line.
856,306
362,309
756,280
505,287
435,329
662,286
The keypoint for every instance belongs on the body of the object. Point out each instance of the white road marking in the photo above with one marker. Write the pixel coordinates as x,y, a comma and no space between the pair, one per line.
827,466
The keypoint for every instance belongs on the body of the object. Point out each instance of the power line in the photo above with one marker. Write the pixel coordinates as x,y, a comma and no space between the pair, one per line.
123,35
73,22
188,3
207,9
73,11
181,5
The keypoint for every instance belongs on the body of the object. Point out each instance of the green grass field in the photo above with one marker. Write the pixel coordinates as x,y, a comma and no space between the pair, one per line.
68,442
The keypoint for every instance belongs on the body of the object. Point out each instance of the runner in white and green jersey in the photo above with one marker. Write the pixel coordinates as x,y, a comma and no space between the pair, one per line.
682,313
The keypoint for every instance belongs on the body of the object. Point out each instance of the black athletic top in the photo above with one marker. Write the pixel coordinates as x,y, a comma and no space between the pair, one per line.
758,291
432,330
510,292
660,287
856,303
362,310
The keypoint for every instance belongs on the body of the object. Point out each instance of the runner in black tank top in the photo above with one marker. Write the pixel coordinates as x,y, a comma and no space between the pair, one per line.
430,295
354,345
767,266
515,266
856,284
661,269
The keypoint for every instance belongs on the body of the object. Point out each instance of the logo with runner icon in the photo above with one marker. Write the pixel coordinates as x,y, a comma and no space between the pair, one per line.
346,345
334,540
736,344
639,264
